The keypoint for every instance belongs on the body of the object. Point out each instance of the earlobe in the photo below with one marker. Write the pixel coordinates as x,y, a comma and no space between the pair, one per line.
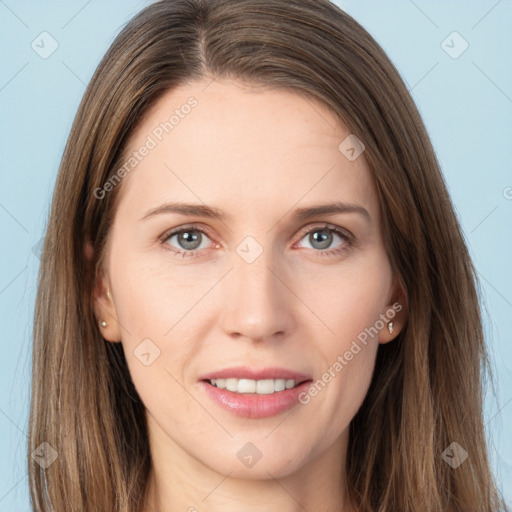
390,331
104,308
395,314
105,311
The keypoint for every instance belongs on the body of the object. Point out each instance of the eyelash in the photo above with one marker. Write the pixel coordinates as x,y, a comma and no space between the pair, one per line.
348,238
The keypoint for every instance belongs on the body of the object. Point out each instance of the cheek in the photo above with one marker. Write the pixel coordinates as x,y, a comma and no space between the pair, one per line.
348,300
341,385
350,305
160,310
345,392
152,297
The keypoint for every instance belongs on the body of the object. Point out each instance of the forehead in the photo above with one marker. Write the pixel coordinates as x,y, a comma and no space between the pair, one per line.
257,152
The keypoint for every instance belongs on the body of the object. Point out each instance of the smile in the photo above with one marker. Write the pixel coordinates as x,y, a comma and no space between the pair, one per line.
259,387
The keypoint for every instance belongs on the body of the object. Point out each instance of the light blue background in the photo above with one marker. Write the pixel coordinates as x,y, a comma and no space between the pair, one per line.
466,104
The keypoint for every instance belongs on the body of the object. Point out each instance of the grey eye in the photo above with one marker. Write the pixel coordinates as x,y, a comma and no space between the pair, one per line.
321,237
188,239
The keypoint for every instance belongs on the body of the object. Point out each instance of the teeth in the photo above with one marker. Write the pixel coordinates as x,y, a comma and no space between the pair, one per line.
260,387
290,383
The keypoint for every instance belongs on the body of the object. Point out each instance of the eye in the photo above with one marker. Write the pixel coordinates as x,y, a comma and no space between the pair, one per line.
188,240
321,238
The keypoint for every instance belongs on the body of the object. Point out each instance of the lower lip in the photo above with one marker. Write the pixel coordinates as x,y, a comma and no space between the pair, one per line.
252,405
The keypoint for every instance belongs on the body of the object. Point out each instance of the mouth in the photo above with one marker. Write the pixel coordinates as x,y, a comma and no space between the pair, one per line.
251,393
264,402
255,387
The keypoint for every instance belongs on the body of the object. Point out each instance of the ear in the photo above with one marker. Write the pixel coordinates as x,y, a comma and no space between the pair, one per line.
396,312
104,308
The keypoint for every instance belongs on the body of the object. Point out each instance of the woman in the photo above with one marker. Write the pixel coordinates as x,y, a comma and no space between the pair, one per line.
255,294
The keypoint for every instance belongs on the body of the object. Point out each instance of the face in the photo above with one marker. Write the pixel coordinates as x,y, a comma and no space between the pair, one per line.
267,289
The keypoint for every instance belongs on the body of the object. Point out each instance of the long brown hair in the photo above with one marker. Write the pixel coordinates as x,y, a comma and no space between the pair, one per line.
427,386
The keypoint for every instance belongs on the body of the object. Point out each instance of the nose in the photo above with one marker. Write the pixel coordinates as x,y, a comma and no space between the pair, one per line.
256,301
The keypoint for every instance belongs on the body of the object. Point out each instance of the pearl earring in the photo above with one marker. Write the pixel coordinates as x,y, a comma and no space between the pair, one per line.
103,323
390,327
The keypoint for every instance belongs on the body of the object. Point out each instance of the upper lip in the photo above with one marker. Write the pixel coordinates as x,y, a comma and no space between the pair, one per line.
244,372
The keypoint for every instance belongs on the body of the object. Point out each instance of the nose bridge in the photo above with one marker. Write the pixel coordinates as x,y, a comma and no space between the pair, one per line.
254,297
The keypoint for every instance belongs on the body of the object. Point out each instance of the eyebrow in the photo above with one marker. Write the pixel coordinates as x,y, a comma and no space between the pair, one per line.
201,210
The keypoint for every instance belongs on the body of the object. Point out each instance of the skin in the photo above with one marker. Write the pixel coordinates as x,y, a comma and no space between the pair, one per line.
257,155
